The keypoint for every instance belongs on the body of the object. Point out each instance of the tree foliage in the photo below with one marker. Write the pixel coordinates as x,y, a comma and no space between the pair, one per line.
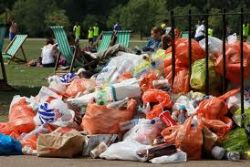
34,16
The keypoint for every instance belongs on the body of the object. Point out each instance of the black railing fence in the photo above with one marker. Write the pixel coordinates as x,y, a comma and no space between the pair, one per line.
223,16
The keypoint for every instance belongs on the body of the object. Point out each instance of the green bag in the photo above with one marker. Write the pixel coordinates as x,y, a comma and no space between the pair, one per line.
236,140
198,77
245,119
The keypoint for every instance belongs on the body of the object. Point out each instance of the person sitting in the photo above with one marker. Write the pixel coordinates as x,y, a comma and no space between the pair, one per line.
48,54
47,57
154,42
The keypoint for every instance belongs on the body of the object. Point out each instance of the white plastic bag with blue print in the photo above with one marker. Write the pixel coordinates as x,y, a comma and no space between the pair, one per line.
56,113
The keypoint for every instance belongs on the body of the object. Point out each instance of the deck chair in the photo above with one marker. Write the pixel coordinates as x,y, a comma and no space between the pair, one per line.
68,52
12,49
123,37
3,81
184,34
105,41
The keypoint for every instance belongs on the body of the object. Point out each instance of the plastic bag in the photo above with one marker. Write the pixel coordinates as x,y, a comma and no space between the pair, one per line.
56,112
79,86
245,119
146,81
159,57
177,157
9,146
188,137
186,102
181,81
161,98
125,150
45,95
102,120
30,139
214,45
233,62
115,68
144,132
236,140
20,118
182,46
198,77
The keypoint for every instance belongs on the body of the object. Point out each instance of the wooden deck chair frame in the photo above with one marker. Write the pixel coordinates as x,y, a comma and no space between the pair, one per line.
4,86
14,57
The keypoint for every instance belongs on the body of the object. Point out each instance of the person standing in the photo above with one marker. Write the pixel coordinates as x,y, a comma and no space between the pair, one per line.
90,35
200,31
117,27
13,30
77,31
245,31
96,32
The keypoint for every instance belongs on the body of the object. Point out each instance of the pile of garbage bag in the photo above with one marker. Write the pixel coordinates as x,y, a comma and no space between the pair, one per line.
133,109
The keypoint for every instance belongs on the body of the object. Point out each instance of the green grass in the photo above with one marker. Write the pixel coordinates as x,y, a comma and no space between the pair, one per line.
28,80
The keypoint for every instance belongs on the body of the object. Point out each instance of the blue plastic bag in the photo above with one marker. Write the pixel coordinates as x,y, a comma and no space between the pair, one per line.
9,146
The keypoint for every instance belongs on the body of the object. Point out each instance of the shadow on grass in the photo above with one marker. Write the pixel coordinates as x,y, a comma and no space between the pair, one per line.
7,96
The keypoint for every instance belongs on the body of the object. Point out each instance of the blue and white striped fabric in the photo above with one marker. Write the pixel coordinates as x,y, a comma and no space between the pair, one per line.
67,77
46,114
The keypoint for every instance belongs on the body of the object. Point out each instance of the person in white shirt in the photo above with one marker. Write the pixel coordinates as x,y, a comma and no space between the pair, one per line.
200,31
48,54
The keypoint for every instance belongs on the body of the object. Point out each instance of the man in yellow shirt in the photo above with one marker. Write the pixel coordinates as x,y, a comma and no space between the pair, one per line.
77,31
90,35
96,32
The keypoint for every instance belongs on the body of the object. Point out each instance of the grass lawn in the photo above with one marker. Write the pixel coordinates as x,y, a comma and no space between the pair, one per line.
28,80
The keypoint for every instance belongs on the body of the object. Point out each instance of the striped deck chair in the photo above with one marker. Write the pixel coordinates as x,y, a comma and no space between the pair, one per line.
123,38
184,34
68,52
10,53
3,81
105,42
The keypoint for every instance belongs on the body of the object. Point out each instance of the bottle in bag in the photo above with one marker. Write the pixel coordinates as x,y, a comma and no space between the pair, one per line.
157,151
162,84
167,119
101,96
233,156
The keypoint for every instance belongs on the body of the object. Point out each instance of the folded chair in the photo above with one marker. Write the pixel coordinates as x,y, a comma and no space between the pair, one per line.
3,81
10,53
68,52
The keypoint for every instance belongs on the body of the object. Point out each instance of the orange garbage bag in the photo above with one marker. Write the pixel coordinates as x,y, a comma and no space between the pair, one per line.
99,119
160,97
187,137
219,127
79,86
216,107
181,81
182,47
233,62
30,139
146,81
20,118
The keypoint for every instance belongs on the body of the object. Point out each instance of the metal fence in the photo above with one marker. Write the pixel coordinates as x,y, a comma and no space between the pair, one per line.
224,16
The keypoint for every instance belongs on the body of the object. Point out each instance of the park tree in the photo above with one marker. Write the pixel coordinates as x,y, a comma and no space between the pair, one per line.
139,15
57,17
